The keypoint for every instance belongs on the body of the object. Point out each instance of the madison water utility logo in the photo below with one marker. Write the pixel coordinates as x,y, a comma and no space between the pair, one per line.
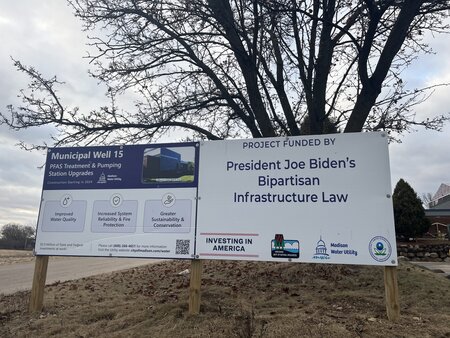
321,250
380,249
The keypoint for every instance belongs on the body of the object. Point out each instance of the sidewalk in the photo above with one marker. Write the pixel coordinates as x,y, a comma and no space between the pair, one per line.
438,267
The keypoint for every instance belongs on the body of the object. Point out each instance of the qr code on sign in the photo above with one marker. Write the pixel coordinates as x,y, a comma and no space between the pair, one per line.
182,247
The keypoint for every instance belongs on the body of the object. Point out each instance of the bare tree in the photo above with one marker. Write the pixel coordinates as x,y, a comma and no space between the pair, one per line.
17,232
239,68
426,199
16,236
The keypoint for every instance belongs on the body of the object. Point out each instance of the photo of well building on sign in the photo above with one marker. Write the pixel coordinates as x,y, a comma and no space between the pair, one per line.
168,165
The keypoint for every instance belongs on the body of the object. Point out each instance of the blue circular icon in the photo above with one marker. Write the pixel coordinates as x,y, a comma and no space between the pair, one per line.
380,249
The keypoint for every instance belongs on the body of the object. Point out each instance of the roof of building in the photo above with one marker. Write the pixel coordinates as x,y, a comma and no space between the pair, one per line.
444,190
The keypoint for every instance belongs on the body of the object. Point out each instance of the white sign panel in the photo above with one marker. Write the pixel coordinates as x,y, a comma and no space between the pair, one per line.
323,199
129,201
318,199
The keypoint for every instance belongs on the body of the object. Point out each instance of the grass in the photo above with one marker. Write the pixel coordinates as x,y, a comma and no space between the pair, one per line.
239,299
181,179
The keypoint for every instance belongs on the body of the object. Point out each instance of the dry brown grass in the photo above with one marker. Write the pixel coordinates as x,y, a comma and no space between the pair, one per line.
15,253
15,256
239,299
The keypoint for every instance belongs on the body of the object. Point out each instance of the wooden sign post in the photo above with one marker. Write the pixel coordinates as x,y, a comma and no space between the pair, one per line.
37,290
392,294
194,287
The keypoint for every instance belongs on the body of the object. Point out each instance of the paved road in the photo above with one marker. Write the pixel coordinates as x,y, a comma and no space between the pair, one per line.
17,277
438,267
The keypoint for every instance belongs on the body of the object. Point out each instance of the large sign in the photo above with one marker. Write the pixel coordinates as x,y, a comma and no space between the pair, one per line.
132,201
322,199
305,199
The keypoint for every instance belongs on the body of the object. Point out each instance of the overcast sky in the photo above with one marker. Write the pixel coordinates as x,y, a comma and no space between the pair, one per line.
46,35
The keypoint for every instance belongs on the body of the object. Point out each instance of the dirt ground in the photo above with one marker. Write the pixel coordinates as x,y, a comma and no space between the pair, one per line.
239,299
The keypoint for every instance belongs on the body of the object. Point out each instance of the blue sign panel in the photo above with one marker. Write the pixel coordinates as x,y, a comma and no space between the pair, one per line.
122,201
122,167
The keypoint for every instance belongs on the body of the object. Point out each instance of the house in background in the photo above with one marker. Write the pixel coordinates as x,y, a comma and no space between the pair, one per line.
439,212
441,199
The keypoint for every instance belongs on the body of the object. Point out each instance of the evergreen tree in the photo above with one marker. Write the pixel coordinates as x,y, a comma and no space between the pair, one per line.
409,214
